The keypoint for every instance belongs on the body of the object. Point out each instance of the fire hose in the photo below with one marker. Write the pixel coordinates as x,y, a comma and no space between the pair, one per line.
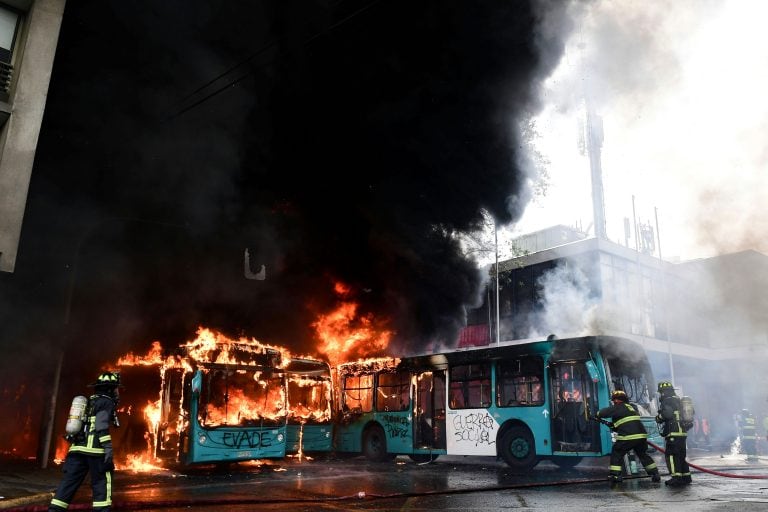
713,472
697,467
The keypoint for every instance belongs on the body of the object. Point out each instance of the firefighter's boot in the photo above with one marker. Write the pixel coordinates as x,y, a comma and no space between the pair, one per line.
655,477
687,480
675,481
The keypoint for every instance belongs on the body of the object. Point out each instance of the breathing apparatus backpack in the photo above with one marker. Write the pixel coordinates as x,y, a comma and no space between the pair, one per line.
76,417
687,413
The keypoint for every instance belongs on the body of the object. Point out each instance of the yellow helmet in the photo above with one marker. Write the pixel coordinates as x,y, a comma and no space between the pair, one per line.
619,395
107,379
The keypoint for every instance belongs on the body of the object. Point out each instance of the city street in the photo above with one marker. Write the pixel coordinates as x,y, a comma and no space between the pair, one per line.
451,483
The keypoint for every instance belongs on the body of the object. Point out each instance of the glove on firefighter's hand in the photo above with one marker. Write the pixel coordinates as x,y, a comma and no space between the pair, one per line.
109,464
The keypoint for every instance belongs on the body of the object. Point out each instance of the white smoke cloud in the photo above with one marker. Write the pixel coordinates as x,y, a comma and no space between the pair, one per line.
680,87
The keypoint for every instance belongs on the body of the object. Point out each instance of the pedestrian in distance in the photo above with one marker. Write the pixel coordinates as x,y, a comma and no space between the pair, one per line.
675,435
90,449
630,435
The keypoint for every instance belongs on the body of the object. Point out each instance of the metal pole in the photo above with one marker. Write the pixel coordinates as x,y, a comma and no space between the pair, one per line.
634,221
52,411
666,295
496,239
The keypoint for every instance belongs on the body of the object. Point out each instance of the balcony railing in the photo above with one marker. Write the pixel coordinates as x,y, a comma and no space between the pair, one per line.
6,73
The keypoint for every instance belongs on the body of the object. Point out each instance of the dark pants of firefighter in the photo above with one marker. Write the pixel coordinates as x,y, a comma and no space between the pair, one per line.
675,456
75,467
621,448
749,445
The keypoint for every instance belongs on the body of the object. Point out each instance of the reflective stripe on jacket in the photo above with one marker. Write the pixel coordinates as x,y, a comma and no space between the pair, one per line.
670,417
626,421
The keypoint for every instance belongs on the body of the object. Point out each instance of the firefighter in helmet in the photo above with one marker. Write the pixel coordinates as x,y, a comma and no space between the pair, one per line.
748,434
630,435
91,448
675,437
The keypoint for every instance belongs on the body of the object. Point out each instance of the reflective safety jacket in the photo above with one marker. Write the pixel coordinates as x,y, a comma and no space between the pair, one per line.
626,421
669,417
748,427
95,435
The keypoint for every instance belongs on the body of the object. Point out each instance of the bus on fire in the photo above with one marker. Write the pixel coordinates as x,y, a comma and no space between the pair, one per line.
222,402
521,401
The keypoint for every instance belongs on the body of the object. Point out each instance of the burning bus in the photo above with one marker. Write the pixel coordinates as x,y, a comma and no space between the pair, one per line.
523,401
222,401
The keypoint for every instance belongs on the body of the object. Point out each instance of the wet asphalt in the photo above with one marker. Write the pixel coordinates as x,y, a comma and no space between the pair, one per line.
724,482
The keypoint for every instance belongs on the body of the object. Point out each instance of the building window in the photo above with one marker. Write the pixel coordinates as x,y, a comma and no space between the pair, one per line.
9,30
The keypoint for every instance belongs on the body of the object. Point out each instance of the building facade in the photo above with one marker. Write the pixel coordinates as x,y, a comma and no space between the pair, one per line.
29,32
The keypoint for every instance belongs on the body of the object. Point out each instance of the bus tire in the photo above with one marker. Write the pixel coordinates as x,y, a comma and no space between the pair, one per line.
421,458
566,462
518,450
375,444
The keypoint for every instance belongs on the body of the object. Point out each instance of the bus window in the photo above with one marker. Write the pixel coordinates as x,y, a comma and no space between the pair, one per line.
309,398
470,386
633,378
519,382
393,392
240,397
358,393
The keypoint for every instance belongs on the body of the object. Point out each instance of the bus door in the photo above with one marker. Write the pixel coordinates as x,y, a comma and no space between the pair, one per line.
429,410
574,399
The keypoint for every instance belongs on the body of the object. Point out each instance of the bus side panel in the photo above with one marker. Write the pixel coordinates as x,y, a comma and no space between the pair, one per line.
398,429
471,432
348,436
309,438
536,419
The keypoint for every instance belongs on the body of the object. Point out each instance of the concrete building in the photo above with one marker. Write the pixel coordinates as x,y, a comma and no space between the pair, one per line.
29,32
702,322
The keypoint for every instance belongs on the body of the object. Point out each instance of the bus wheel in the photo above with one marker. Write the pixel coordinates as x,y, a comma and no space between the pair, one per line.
375,444
566,462
518,450
421,458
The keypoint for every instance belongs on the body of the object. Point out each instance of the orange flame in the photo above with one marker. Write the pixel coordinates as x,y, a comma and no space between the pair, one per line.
345,335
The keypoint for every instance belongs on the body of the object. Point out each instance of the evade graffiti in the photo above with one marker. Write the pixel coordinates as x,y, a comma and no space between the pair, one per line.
474,428
247,439
396,426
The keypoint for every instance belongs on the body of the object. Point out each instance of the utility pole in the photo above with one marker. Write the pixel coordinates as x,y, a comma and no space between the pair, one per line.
496,242
666,299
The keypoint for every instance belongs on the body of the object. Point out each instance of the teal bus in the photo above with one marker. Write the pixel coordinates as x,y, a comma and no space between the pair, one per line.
221,402
523,401
310,407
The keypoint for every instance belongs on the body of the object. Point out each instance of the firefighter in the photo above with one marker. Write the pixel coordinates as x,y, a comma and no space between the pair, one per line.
748,434
630,435
91,448
675,437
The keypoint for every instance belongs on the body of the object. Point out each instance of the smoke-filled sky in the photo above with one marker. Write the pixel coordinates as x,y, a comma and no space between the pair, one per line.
681,89
336,141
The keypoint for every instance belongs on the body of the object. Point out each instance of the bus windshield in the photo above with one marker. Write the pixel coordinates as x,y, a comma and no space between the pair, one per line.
242,396
635,379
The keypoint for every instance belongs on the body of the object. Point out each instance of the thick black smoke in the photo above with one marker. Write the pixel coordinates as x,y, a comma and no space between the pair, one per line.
335,140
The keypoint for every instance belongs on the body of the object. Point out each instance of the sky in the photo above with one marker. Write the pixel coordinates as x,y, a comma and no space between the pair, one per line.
680,86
